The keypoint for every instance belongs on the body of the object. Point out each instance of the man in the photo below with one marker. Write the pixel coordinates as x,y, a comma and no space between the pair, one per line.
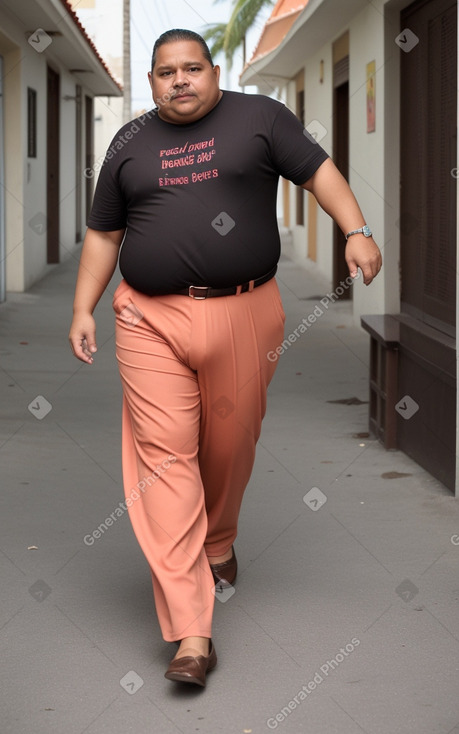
190,191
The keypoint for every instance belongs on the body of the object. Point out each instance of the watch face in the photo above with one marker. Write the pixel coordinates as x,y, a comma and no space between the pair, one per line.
366,230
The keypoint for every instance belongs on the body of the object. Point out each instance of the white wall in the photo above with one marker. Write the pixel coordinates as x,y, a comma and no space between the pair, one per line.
33,75
373,157
14,173
26,178
108,118
319,107
67,171
366,150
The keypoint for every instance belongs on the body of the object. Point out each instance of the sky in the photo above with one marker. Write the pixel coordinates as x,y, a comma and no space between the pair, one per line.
150,18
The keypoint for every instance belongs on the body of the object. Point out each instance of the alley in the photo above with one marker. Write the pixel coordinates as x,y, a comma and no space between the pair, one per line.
344,617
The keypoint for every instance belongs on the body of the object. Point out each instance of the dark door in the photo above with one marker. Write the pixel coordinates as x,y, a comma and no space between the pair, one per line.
89,151
78,161
428,188
300,113
427,365
341,160
52,164
2,195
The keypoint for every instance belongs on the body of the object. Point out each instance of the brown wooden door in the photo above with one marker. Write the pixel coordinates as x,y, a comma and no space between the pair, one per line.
427,354
428,156
52,167
341,160
78,161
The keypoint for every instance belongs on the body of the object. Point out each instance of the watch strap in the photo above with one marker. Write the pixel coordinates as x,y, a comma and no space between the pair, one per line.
365,230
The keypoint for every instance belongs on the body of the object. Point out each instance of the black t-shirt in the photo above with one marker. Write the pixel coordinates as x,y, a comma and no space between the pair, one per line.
199,200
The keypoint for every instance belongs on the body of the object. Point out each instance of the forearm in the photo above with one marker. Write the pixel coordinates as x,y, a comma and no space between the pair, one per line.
335,197
97,264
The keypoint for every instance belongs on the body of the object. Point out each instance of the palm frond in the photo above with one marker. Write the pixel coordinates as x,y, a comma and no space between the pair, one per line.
227,37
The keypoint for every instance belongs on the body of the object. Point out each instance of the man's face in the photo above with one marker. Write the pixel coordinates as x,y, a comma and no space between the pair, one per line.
183,83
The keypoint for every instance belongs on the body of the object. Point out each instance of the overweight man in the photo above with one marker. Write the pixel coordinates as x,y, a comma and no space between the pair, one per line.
186,202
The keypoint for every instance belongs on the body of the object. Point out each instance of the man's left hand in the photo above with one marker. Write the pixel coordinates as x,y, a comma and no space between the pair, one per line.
363,252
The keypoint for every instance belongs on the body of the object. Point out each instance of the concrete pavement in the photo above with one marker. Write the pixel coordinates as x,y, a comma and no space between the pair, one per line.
345,615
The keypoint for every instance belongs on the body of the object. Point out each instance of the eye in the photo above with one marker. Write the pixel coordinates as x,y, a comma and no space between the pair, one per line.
165,73
194,68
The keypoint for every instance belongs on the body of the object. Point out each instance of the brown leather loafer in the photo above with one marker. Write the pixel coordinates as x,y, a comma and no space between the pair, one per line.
226,571
192,670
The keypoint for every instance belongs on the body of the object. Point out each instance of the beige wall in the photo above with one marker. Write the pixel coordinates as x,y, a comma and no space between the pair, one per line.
25,178
14,208
373,157
366,150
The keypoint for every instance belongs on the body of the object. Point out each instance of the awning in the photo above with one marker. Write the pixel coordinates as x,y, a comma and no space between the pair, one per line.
296,30
69,43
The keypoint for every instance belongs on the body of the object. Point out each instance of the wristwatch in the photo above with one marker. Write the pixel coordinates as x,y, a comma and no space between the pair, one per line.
365,230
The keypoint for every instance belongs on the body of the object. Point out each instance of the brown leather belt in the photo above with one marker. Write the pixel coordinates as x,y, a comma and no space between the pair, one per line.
200,292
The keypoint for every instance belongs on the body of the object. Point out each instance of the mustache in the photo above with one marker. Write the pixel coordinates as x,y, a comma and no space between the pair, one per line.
186,93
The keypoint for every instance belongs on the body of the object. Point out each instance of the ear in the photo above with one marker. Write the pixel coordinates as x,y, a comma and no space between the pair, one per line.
150,80
216,71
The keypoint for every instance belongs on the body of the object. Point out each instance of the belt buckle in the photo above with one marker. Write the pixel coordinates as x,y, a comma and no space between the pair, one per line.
193,288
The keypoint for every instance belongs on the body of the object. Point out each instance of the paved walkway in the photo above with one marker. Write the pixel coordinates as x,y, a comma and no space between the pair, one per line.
345,615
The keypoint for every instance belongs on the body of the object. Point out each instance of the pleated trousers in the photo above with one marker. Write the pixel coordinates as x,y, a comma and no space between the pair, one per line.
194,375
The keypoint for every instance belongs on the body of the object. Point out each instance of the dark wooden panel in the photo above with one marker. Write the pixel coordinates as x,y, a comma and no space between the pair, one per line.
428,155
52,166
89,151
428,436
341,160
427,354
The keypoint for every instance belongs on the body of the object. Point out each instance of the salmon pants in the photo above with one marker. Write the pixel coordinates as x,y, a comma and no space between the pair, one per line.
194,375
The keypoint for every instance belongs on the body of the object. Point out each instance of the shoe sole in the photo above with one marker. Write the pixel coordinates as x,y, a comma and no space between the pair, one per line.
182,678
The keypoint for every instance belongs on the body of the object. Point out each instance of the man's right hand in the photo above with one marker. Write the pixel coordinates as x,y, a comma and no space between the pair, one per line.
97,265
82,337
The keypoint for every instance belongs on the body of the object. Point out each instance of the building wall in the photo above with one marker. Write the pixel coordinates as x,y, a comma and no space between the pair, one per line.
26,178
13,193
108,116
318,106
367,152
319,109
373,157
33,75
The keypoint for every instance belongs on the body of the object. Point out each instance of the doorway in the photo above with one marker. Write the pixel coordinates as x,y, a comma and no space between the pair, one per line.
52,166
340,149
2,194
89,151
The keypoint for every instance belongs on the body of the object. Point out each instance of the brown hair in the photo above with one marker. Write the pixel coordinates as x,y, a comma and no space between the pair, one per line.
180,34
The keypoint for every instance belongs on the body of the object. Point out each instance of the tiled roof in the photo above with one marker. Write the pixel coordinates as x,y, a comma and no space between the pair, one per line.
287,6
74,17
283,16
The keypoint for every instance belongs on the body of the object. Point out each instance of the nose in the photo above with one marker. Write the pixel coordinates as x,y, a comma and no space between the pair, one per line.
180,78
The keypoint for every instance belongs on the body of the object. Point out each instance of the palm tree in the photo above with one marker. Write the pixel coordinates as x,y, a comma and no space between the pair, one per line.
227,37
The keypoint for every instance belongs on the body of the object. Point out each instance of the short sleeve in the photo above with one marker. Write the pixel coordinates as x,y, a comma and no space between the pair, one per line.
296,155
109,211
